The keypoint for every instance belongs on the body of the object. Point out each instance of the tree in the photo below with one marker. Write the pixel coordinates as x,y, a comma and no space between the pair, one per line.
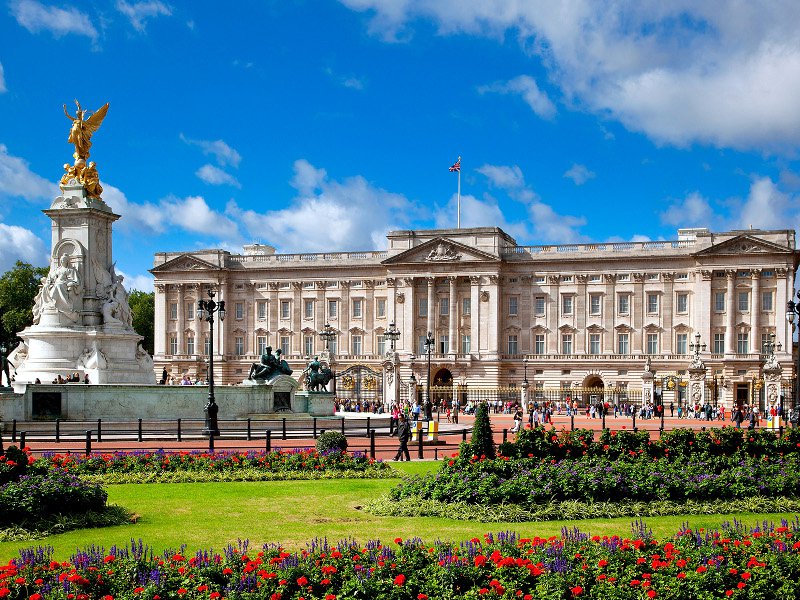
143,309
18,289
482,443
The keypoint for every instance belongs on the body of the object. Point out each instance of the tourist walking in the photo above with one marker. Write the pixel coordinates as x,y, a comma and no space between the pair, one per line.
403,433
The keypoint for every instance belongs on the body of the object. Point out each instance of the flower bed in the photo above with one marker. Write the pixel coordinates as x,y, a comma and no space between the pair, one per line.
161,466
733,562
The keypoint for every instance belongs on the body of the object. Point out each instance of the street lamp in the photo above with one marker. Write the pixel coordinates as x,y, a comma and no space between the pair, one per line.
328,334
697,347
792,309
392,334
718,383
205,312
429,344
525,371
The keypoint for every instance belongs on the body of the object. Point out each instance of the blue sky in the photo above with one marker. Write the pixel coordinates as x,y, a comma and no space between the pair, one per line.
315,125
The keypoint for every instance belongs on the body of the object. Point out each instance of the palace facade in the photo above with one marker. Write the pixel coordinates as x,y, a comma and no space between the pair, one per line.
567,316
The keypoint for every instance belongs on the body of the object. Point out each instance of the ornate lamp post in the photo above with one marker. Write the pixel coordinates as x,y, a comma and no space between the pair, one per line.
392,334
328,334
697,347
718,383
205,312
429,343
792,309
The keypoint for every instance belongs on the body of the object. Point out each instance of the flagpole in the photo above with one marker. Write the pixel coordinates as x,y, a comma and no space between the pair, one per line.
458,218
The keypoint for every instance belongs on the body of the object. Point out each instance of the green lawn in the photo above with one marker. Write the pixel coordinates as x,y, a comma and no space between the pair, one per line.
210,515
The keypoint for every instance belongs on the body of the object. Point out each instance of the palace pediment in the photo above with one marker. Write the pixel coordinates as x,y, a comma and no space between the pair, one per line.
441,251
743,244
184,263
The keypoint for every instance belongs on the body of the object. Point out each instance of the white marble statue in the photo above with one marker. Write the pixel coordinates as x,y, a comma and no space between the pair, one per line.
116,310
61,291
92,358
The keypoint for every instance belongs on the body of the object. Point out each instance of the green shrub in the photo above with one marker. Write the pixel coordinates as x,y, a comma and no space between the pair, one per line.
331,441
482,444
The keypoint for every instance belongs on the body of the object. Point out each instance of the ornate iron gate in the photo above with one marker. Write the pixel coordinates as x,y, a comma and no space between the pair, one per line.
359,384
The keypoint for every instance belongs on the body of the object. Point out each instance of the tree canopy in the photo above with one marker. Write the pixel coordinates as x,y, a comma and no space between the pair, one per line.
18,289
143,308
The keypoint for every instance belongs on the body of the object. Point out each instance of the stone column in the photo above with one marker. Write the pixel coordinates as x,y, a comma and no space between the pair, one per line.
273,311
181,319
730,308
474,318
368,318
221,334
431,325
580,343
161,320
407,298
638,313
755,308
784,279
296,322
492,315
344,320
553,310
453,316
609,313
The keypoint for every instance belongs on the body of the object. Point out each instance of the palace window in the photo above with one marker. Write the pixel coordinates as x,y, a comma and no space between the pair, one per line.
512,306
594,343
381,343
261,344
173,344
333,309
308,345
444,344
190,345
261,310
652,343
380,308
594,304
422,305
444,306
682,301
308,309
465,344
719,343
742,343
239,310
538,343
766,301
624,304
652,304
744,301
623,346
538,305
357,349
566,343
285,345
173,310
566,304
513,346
190,310
357,304
719,301
466,306
681,346
239,346
284,309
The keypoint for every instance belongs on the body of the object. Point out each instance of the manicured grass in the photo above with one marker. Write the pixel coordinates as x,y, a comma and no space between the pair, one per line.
210,515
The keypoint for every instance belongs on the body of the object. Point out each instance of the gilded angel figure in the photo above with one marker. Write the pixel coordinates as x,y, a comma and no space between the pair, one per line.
82,128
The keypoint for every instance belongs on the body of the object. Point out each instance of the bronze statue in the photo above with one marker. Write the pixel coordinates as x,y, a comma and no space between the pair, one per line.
317,376
82,129
268,366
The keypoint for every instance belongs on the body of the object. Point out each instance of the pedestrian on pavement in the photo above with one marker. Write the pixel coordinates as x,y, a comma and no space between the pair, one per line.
403,433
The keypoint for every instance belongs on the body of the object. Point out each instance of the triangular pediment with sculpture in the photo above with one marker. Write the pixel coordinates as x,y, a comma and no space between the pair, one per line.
183,263
743,244
443,251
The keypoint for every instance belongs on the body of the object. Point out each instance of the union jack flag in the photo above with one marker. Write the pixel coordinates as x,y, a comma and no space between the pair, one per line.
456,167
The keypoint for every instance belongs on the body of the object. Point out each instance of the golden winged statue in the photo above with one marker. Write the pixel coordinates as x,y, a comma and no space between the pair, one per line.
82,129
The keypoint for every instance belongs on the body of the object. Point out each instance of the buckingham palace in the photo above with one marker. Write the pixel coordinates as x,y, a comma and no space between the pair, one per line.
590,316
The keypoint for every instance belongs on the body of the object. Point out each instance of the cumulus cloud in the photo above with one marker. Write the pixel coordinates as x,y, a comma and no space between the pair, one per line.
503,176
525,87
580,174
680,72
18,243
139,12
18,181
35,17
215,176
766,207
327,214
2,80
143,283
222,152
692,211
348,81
191,214
477,212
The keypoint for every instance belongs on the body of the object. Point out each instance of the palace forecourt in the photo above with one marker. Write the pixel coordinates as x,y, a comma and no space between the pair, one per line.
612,321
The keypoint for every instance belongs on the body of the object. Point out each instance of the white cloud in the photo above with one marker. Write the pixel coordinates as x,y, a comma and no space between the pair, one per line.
143,283
18,243
189,214
692,211
35,17
477,213
503,176
328,215
215,176
525,87
767,207
580,174
681,72
222,152
138,12
3,88
17,180
551,227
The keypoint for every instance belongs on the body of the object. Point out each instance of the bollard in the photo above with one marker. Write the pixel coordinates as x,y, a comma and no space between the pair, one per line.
249,437
284,428
58,430
463,435
315,427
99,430
1,442
268,440
505,435
438,415
780,431
435,454
211,442
572,422
372,444
342,425
22,439
88,442
662,421
419,447
391,426
139,429
368,418
179,430
634,420
603,412
13,431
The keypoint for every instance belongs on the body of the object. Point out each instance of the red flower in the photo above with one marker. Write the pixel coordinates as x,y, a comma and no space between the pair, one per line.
398,540
602,562
576,591
422,597
302,581
400,579
651,593
701,569
182,591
